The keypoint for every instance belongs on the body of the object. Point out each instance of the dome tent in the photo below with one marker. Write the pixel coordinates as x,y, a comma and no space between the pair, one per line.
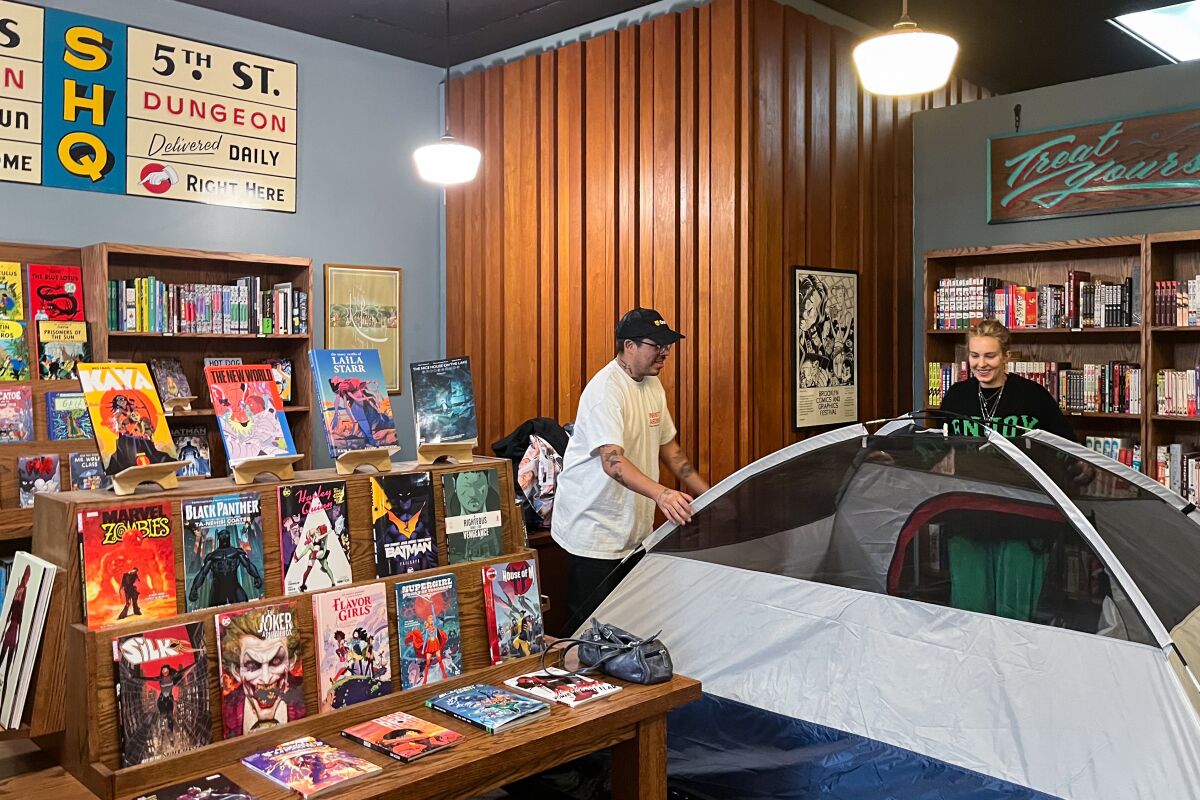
914,615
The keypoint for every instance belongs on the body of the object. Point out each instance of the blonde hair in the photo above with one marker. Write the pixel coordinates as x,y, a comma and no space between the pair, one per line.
992,328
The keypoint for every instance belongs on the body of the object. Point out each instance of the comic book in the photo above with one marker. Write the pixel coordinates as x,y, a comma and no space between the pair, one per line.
26,601
12,301
56,293
222,549
402,736
67,416
403,521
191,443
512,606
428,626
208,787
272,691
37,475
61,347
353,651
14,351
474,528
488,707
561,686
249,412
355,408
314,541
443,401
309,766
282,369
170,378
87,472
16,414
127,417
127,557
162,693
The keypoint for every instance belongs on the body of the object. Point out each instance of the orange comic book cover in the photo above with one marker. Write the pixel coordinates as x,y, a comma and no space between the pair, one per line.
127,557
127,416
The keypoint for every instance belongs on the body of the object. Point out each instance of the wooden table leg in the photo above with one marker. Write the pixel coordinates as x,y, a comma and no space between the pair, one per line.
639,766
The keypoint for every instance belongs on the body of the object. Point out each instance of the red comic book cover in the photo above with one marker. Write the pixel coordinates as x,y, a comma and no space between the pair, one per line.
56,292
127,557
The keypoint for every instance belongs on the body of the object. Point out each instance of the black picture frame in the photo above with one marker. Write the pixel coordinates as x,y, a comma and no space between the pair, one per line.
825,314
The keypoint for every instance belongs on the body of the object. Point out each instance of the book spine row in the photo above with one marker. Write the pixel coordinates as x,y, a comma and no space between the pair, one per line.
1119,448
1178,470
1112,388
148,305
961,302
943,375
1176,391
1177,303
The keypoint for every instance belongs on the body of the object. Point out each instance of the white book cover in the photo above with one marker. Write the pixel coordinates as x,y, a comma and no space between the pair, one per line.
564,687
26,601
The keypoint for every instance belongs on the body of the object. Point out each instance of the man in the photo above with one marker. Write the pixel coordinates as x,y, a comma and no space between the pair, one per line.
608,488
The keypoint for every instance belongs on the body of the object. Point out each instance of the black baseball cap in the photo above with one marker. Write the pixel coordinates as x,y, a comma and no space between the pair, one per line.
646,323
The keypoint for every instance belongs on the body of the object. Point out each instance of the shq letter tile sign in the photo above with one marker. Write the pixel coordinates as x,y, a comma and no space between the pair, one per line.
95,105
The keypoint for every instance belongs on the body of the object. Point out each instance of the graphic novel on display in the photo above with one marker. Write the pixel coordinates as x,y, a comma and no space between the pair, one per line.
127,417
282,369
16,414
209,787
563,687
249,411
56,293
403,736
488,707
222,550
355,407
37,475
443,401
87,472
191,443
314,542
262,669
170,378
67,416
61,347
403,521
162,693
26,601
353,651
128,562
12,303
309,766
14,351
474,527
428,626
513,607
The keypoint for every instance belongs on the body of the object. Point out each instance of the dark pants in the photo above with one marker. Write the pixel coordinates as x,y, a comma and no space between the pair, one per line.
589,581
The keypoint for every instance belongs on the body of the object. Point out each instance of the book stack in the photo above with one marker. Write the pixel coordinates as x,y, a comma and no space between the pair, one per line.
1079,303
150,305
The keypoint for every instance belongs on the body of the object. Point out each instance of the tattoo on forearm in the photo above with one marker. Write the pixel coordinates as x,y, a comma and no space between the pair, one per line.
611,458
685,471
618,477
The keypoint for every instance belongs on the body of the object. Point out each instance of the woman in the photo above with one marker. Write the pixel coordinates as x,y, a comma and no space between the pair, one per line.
1007,403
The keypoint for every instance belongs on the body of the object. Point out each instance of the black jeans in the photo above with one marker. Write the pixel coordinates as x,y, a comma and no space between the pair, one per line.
589,581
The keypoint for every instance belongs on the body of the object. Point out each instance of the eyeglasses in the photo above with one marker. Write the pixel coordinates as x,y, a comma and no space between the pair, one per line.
662,348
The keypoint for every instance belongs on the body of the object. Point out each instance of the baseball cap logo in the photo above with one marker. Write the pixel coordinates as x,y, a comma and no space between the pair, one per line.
660,322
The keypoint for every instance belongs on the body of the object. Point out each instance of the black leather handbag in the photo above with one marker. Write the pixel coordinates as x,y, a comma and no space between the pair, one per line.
608,649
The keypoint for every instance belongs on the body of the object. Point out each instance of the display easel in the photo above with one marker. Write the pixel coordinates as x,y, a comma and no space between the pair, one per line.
177,404
246,470
458,452
163,474
380,458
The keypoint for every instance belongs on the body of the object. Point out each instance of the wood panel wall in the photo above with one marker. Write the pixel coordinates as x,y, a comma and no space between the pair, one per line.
682,164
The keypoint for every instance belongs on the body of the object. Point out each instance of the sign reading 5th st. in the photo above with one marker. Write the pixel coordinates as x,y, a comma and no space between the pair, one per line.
91,104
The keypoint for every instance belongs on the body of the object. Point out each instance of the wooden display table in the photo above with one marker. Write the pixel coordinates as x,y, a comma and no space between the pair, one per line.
633,721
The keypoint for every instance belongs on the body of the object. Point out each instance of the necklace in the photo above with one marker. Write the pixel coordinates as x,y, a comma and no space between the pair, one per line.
989,405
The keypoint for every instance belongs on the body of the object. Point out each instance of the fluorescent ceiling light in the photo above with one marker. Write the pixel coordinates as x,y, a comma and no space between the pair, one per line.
1173,31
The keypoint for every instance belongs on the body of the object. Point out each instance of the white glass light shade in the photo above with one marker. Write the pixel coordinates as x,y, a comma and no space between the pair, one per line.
906,60
447,162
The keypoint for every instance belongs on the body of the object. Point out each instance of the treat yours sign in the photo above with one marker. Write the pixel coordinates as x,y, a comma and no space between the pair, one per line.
95,105
1122,164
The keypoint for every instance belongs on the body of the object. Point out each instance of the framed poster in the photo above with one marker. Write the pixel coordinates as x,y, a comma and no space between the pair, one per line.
362,310
825,344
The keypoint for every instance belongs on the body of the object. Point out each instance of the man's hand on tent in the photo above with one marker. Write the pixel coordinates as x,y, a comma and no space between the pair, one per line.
677,506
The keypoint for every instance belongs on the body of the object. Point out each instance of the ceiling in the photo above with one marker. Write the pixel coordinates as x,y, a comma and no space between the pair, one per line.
1006,45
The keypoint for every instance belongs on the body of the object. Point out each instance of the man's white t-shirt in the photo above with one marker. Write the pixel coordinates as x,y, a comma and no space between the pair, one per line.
594,516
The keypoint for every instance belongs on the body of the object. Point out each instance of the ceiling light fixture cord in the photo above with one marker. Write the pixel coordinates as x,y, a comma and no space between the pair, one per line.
446,80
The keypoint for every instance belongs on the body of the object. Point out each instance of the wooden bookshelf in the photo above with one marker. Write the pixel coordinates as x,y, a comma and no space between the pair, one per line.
1156,257
109,261
72,711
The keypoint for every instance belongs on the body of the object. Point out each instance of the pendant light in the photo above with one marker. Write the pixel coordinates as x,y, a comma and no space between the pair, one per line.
905,60
448,162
